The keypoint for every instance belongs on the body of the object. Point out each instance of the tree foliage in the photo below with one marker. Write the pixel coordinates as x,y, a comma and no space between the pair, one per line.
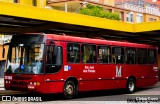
98,11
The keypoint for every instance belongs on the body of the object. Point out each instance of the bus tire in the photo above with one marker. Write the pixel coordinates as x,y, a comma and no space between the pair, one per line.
70,90
131,85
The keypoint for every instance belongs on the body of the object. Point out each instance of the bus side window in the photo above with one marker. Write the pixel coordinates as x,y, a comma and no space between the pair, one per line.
73,53
114,59
142,56
117,55
130,56
151,56
85,53
104,54
89,53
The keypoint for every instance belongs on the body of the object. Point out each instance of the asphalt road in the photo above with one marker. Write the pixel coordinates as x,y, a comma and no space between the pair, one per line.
108,95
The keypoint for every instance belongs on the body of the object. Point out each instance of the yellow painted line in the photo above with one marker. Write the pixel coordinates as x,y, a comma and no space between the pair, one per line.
25,11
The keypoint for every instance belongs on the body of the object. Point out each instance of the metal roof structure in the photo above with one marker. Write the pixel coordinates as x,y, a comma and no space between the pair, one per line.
15,18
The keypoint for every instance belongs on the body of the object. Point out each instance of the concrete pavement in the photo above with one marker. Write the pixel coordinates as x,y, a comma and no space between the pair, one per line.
2,84
109,95
6,92
144,91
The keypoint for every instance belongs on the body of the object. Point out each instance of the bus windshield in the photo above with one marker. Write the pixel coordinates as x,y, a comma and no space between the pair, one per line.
25,59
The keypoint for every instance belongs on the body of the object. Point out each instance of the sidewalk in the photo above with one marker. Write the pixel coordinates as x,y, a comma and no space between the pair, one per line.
1,83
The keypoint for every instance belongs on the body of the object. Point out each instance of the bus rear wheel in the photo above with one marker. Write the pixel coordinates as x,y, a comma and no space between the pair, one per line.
70,90
131,85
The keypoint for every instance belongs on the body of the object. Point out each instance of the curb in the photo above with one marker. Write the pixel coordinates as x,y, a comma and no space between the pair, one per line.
1,85
2,89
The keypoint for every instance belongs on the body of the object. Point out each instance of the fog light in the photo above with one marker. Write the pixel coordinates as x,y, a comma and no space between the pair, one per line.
30,83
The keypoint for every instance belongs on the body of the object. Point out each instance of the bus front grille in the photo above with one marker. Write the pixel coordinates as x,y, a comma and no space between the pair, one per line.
18,85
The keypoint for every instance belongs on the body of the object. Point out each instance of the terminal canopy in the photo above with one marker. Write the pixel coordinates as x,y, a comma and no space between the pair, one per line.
16,19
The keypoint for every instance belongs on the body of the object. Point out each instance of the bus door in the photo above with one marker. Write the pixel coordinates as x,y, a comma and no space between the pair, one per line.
118,66
53,64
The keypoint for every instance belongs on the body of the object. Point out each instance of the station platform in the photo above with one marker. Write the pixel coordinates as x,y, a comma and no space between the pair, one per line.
1,83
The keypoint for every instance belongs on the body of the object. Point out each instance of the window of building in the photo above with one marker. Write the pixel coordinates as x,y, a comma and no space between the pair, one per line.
129,17
152,19
117,55
34,2
73,53
15,1
151,56
139,18
142,56
98,1
154,0
130,56
89,53
104,54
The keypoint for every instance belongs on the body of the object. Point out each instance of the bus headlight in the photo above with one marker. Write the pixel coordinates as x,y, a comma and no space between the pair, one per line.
7,82
34,83
30,83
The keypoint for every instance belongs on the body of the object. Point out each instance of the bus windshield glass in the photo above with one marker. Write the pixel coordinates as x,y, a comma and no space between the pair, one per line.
25,59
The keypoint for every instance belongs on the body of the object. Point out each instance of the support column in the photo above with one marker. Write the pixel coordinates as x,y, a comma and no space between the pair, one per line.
134,17
145,17
123,16
65,7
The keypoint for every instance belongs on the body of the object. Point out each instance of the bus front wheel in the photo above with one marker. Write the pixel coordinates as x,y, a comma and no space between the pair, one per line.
70,90
131,85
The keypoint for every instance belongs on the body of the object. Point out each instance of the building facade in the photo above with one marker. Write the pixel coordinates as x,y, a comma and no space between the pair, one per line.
37,3
140,10
132,11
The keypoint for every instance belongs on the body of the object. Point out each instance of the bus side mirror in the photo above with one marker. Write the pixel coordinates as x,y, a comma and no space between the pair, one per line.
3,52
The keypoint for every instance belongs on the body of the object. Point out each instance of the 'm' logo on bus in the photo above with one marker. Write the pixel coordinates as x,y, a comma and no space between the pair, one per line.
118,71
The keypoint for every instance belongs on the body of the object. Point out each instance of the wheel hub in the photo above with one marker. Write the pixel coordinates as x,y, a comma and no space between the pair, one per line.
69,89
131,86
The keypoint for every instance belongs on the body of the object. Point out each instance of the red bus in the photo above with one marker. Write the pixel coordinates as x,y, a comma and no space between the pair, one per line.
49,63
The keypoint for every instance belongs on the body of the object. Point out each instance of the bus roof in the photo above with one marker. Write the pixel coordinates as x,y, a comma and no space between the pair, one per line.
96,41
